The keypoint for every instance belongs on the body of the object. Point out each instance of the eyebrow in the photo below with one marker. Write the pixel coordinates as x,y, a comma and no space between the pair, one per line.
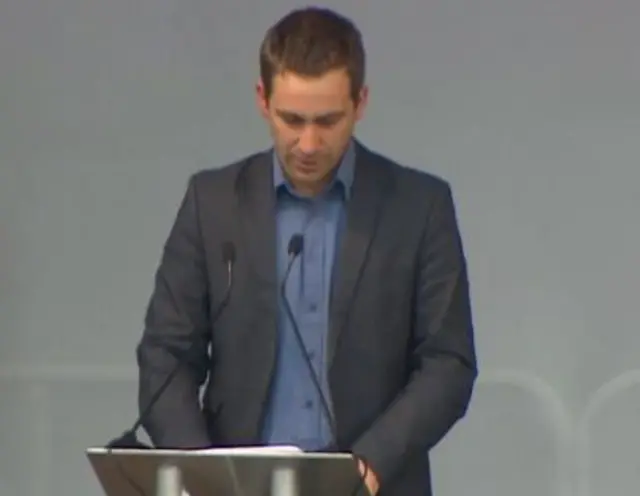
318,117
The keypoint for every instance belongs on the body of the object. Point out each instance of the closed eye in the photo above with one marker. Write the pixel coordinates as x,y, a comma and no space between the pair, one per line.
291,119
296,120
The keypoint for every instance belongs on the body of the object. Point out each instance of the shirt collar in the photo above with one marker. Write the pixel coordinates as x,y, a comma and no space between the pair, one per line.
344,174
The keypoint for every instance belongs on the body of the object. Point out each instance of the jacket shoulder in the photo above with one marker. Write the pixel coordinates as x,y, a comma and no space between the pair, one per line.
410,181
226,175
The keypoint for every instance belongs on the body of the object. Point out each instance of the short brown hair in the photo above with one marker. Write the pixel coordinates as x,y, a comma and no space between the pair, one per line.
310,42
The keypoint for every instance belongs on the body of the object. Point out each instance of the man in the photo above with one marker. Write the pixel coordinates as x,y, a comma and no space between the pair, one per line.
378,290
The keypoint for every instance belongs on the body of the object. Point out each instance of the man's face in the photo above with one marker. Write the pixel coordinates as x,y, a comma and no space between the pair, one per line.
311,122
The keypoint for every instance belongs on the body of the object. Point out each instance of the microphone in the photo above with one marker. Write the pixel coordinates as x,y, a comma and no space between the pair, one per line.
296,245
129,439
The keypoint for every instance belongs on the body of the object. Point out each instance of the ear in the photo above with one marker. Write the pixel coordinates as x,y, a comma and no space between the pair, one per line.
363,101
262,102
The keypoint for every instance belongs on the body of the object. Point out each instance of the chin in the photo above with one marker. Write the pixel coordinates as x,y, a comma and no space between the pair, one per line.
310,173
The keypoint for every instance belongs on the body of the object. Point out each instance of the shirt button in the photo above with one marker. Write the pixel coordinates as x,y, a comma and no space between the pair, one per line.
308,404
313,307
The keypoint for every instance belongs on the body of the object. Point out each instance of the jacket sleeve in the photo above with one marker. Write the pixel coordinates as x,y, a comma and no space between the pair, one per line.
177,328
442,351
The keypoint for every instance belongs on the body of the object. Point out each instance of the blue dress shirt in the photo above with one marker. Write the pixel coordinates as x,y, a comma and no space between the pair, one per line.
294,412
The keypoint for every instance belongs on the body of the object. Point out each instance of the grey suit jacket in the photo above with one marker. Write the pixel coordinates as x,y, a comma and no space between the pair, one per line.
402,361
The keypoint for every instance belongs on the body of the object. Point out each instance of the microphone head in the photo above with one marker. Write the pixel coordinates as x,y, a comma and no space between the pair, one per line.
228,252
296,244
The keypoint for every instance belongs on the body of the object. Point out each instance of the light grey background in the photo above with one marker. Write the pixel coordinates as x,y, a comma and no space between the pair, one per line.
530,108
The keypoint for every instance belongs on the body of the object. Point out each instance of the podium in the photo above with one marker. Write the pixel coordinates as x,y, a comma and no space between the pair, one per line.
268,471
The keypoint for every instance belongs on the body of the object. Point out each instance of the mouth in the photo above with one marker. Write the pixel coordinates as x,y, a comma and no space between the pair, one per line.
307,164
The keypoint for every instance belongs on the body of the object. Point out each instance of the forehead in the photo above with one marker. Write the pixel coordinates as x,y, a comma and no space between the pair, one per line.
331,91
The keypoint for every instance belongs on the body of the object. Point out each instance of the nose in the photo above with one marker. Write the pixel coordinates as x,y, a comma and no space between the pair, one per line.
309,140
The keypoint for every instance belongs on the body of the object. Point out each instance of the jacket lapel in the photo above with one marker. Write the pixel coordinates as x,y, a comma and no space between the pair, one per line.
371,183
256,199
257,224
